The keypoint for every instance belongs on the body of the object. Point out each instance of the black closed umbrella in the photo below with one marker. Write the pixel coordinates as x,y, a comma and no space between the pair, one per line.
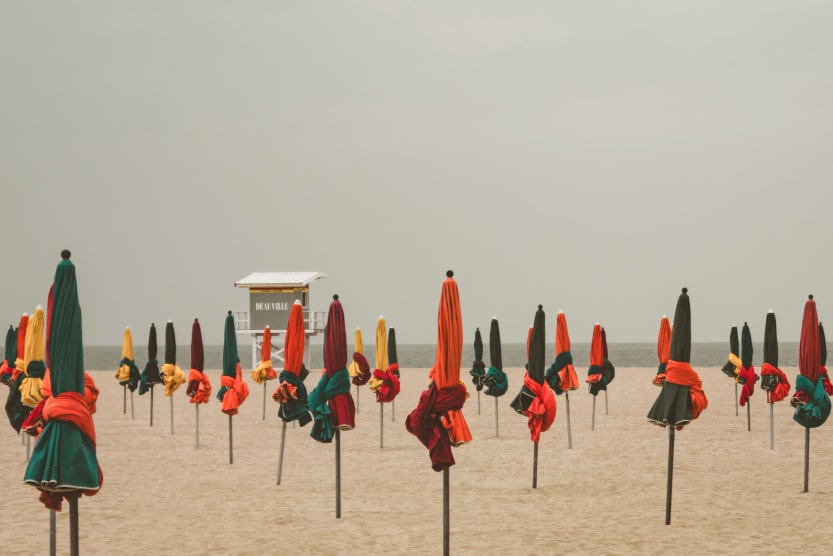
496,381
732,366
151,375
478,367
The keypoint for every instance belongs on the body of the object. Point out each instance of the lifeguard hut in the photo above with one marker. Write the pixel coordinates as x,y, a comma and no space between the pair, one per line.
271,296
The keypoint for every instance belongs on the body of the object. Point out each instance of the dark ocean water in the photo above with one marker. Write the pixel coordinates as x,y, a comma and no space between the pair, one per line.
100,358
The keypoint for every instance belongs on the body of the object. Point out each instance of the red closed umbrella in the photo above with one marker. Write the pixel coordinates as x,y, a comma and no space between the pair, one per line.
811,401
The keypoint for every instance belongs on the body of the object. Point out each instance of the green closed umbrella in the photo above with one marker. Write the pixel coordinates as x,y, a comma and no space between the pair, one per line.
64,462
496,381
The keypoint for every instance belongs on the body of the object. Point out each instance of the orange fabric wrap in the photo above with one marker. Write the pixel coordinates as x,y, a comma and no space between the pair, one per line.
90,393
203,392
782,390
681,373
71,407
236,394
541,412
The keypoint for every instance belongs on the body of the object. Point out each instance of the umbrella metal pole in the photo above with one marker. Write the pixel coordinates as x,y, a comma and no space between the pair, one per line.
280,454
748,415
151,406
806,458
446,511
28,444
671,431
53,525
338,474
593,420
73,523
230,443
497,427
197,428
736,399
132,414
569,431
478,402
771,432
357,398
172,413
264,402
124,389
381,425
606,402
392,410
535,466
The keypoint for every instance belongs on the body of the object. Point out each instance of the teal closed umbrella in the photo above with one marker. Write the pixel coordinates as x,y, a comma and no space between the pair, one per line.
64,462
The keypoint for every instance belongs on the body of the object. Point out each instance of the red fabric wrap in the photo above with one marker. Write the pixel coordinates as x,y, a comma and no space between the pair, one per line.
34,421
390,389
425,422
203,390
682,374
541,412
749,377
71,407
782,390
362,378
236,394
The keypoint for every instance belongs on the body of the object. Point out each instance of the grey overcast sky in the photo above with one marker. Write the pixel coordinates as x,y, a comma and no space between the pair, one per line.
590,156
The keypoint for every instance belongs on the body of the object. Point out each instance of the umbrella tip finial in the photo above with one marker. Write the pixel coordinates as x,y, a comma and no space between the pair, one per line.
745,323
770,311
810,296
540,307
39,308
297,302
170,320
494,318
560,312
381,316
685,290
196,320
229,313
449,273
127,328
65,254
335,297
665,316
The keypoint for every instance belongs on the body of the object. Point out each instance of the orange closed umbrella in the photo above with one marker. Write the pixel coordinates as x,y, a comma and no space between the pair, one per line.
264,371
663,349
561,376
595,378
291,393
437,421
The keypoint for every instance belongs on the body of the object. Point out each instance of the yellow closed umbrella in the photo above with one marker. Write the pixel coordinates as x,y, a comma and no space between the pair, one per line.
384,384
34,367
128,373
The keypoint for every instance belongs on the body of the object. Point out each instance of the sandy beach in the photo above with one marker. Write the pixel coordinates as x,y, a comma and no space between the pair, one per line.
161,495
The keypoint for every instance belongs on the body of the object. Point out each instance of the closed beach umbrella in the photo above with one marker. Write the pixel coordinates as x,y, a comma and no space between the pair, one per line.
359,368
437,421
773,380
173,377
595,378
291,393
385,382
561,375
682,398
478,367
608,370
733,365
150,376
233,390
497,383
15,410
663,350
811,402
199,387
536,399
393,366
128,373
746,374
33,365
9,355
330,401
264,371
64,462
823,362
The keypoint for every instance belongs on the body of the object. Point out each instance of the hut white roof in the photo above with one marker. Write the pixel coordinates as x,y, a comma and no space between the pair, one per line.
278,279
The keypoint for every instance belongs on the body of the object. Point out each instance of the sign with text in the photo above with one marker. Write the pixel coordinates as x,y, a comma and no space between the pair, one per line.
271,307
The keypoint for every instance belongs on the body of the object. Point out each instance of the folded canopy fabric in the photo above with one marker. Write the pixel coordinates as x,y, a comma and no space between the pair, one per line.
33,361
264,370
478,367
811,401
233,390
359,368
173,375
536,400
561,376
150,376
746,373
199,387
291,392
497,383
385,382
663,350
